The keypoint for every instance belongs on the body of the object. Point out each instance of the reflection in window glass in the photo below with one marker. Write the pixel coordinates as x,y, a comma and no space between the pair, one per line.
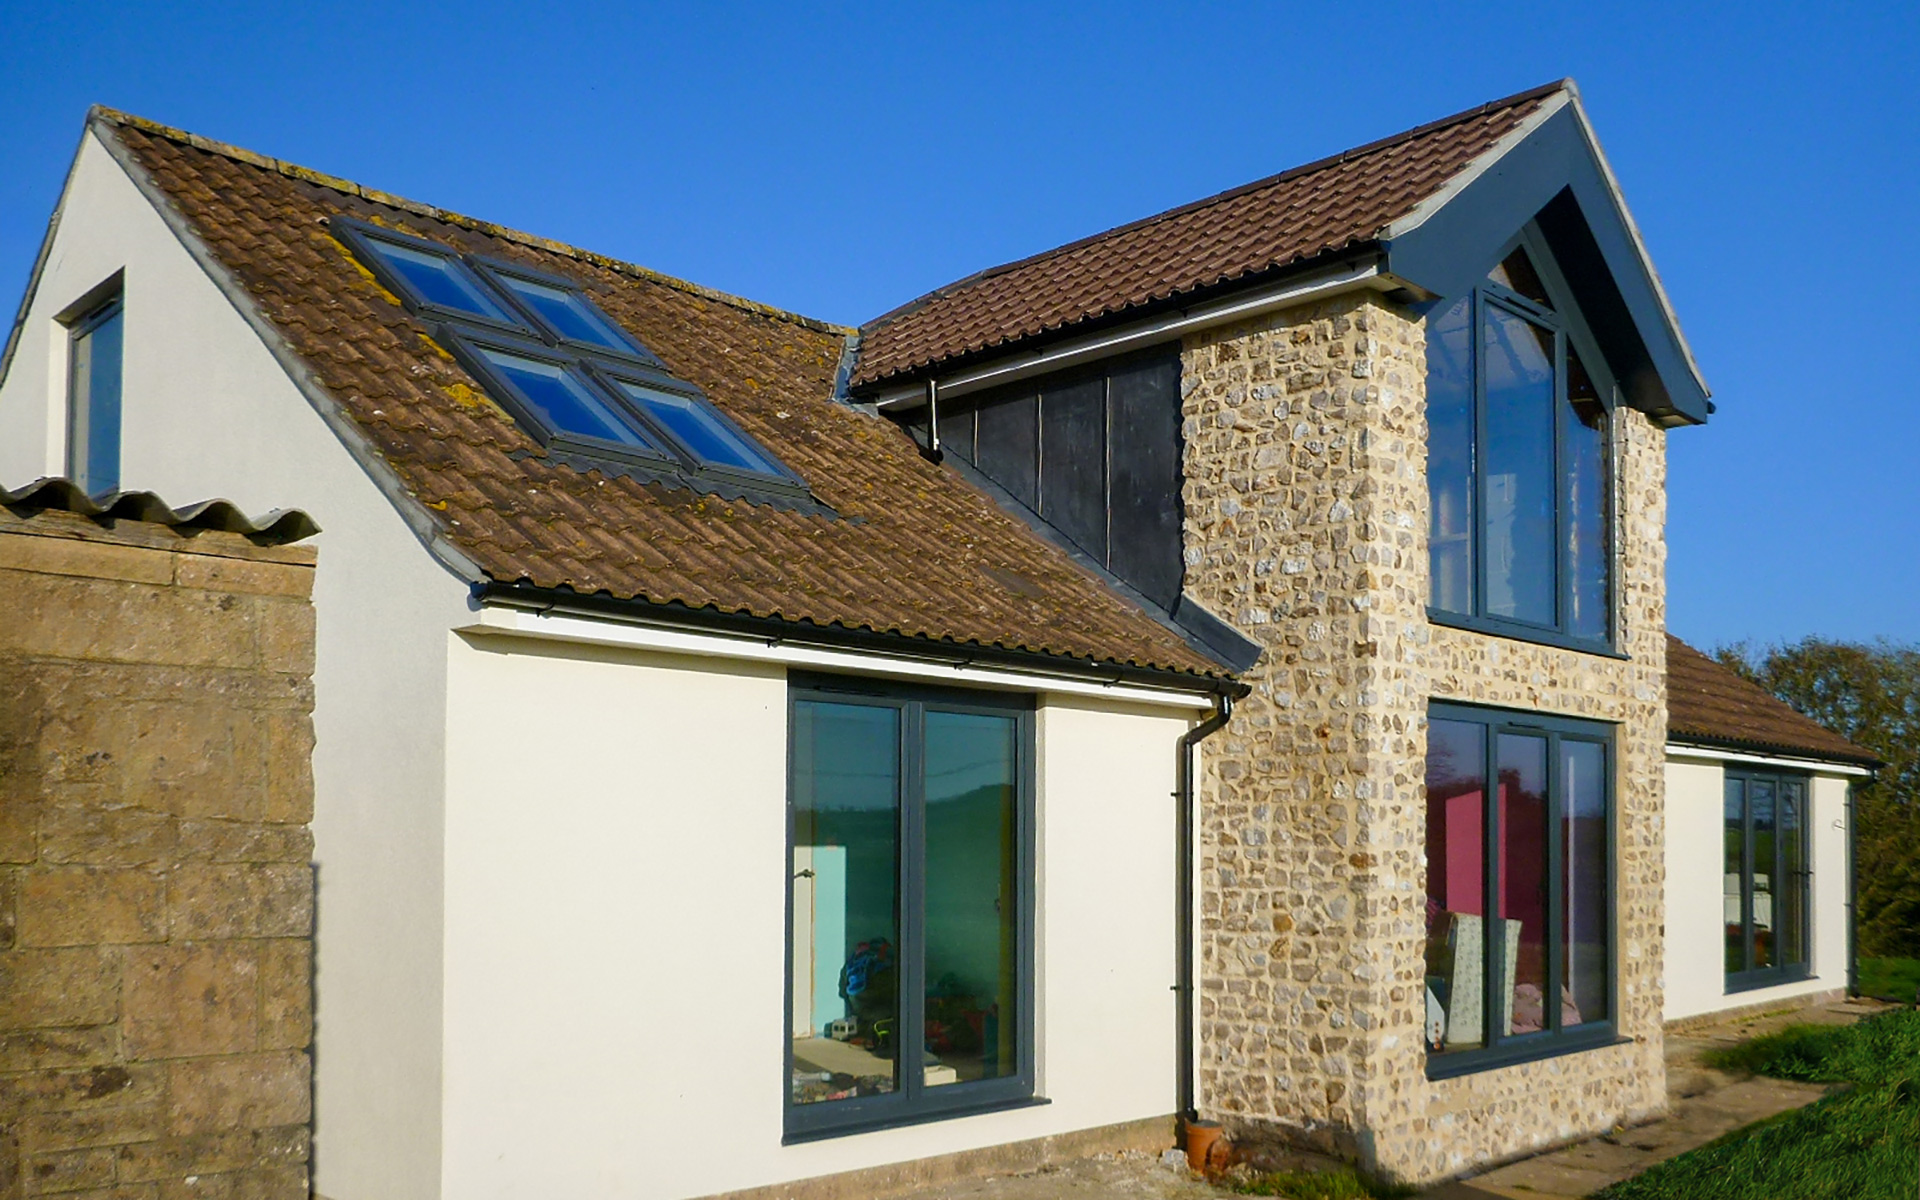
93,396
1516,274
1536,962
1760,813
699,430
1793,863
440,281
1734,863
971,901
1587,502
1456,886
1519,491
562,401
1450,456
1523,882
569,314
1583,849
846,923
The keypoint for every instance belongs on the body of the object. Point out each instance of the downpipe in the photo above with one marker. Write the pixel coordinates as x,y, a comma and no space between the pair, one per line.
1184,935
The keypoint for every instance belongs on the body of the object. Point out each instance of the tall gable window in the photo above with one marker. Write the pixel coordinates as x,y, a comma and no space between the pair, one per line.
93,396
1517,418
565,370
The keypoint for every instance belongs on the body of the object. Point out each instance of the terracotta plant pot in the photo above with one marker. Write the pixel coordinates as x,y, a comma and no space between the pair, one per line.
1203,1137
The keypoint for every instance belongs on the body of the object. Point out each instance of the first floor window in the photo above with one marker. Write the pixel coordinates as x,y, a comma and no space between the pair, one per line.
911,890
93,398
1765,891
1519,894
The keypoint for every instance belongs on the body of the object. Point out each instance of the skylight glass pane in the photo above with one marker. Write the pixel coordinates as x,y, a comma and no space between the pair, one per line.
439,280
562,401
700,431
570,315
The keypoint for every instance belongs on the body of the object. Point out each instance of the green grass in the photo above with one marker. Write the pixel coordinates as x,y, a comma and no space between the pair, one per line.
1861,1144
1894,979
1343,1183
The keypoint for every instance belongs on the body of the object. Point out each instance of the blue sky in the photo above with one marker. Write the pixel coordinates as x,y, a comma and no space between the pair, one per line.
839,160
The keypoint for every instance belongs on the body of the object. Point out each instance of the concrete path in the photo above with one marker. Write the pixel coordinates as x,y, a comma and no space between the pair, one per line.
1703,1105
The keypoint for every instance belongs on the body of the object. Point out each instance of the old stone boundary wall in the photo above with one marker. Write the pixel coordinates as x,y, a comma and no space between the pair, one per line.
156,892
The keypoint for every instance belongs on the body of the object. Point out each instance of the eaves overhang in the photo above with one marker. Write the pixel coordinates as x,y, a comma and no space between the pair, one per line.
1035,664
1551,171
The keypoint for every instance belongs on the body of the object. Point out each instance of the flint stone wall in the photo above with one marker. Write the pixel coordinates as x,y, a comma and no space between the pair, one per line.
1306,527
156,897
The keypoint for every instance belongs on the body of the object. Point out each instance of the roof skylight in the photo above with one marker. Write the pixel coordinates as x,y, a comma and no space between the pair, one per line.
564,369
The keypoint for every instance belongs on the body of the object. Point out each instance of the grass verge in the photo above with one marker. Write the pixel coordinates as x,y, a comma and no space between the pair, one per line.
1343,1183
1895,979
1860,1144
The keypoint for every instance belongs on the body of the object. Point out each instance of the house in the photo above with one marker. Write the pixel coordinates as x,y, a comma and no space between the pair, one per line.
1772,923
1215,668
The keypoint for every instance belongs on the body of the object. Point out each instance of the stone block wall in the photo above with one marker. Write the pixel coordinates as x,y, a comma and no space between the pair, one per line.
156,893
1306,518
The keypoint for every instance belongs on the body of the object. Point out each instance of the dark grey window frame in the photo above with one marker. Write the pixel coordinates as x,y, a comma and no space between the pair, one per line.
592,364
1570,332
914,1103
1801,879
100,305
1504,1050
465,347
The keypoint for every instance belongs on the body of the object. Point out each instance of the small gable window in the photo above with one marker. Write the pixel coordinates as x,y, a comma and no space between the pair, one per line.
93,396
1519,501
566,371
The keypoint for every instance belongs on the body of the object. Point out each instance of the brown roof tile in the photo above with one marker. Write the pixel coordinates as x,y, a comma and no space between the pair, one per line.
914,550
1281,221
1707,702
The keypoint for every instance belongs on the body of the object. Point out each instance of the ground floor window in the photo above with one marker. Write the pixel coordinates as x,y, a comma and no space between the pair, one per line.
1519,886
1764,897
911,894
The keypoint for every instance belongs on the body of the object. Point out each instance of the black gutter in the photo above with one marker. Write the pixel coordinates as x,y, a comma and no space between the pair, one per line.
1853,900
1184,905
777,631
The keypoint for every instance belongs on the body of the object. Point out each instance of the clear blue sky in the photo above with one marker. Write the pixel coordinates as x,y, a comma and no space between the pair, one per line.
841,160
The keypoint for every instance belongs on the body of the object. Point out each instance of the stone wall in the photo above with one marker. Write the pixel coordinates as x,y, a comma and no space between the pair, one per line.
1306,527
155,886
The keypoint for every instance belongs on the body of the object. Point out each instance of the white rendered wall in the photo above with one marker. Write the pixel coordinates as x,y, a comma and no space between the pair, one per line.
616,928
208,412
1696,981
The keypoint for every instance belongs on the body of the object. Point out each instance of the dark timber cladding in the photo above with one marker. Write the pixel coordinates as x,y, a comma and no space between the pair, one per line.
1095,453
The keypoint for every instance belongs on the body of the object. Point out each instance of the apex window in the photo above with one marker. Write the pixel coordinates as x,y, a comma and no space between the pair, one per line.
911,893
1519,887
1765,893
93,396
1518,405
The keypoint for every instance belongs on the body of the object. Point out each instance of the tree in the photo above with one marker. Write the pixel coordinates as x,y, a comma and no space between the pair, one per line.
1871,695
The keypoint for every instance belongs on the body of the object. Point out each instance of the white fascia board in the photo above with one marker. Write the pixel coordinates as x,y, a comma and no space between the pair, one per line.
497,621
1422,212
1815,766
1145,333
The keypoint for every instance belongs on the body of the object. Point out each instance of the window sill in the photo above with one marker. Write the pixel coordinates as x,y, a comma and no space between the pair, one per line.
1756,982
798,1136
1471,1062
1519,632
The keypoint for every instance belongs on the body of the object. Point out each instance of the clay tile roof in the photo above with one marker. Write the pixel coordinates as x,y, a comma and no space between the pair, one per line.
910,550
1711,704
1322,208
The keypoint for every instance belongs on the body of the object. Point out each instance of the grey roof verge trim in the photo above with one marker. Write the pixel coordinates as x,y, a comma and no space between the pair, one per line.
411,511
56,493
